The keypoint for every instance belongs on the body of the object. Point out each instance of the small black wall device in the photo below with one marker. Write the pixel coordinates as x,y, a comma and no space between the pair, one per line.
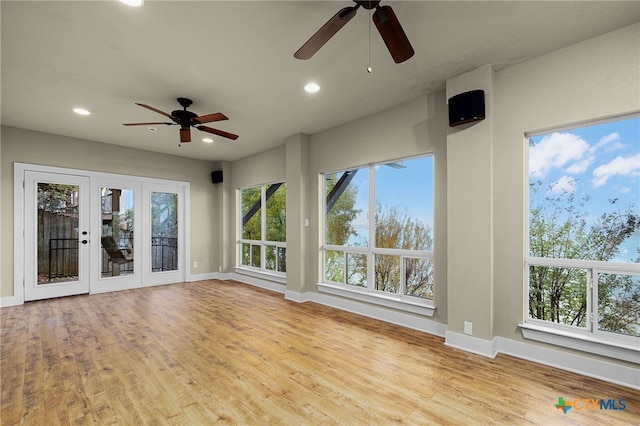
466,107
216,176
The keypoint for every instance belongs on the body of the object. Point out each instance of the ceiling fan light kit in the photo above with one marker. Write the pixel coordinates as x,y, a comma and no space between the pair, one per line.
187,119
385,20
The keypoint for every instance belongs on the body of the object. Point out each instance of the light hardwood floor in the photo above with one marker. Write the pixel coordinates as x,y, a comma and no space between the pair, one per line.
223,352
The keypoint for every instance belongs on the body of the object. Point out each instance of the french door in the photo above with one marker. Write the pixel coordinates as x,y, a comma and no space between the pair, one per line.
92,232
56,235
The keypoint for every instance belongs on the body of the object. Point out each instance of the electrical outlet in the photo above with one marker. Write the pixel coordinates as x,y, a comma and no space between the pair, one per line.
468,328
195,263
220,269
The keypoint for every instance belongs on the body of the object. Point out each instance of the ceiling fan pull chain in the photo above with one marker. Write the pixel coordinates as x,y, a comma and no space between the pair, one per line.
369,69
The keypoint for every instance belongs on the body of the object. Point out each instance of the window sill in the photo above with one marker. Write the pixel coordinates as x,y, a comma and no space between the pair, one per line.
578,341
378,299
264,275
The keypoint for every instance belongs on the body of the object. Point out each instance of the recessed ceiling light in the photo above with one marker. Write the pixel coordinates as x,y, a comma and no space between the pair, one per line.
311,87
207,140
81,111
134,3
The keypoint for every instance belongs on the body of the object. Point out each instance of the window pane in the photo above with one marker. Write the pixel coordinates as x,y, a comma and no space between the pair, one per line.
346,221
276,226
357,269
116,231
418,275
164,231
404,204
558,295
387,271
584,201
334,266
255,255
275,258
619,303
246,254
282,259
251,213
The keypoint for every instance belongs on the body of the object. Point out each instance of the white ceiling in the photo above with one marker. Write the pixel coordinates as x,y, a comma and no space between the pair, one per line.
236,57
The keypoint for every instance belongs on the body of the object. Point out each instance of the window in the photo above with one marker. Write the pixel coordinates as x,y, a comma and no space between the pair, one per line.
584,230
378,229
263,230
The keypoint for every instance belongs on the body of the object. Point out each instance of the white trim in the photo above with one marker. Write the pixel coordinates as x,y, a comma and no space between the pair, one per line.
258,281
378,299
18,233
11,301
581,342
420,323
471,344
261,274
204,277
590,367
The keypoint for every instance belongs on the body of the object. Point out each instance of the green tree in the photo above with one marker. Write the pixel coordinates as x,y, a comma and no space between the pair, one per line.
164,214
57,198
252,228
339,220
397,230
560,226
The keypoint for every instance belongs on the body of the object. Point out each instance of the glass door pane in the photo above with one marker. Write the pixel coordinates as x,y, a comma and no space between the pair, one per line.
164,231
57,233
116,231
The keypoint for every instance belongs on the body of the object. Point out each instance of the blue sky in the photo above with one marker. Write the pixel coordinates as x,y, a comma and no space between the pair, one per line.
408,186
602,161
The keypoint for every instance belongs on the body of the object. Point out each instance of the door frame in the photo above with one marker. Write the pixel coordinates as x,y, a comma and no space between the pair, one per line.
19,195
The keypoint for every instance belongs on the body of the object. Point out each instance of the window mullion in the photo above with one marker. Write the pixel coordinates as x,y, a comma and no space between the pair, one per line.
371,277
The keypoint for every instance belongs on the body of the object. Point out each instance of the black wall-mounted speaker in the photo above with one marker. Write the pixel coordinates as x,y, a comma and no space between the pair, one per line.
466,107
216,176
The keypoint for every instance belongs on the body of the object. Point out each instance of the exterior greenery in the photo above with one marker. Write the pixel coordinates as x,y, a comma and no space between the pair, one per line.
272,225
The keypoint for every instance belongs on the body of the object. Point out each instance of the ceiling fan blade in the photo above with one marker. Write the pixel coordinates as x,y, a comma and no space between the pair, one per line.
157,110
185,134
217,132
392,33
328,30
218,116
147,124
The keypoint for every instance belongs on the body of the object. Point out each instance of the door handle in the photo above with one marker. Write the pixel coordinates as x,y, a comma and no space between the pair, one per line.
84,241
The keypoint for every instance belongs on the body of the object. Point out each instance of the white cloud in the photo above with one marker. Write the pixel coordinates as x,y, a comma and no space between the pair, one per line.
563,185
609,138
611,141
555,151
580,166
629,166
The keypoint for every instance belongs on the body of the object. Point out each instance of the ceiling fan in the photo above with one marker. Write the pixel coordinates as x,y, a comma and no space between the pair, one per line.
187,119
386,22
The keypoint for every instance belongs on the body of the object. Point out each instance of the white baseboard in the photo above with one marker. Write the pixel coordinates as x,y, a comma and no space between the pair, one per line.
203,277
471,344
11,301
258,282
415,322
590,367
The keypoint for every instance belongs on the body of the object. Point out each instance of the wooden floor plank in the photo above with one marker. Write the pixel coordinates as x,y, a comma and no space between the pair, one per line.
221,352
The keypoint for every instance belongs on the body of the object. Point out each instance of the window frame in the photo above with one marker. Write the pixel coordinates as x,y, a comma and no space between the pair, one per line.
263,243
369,293
589,338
